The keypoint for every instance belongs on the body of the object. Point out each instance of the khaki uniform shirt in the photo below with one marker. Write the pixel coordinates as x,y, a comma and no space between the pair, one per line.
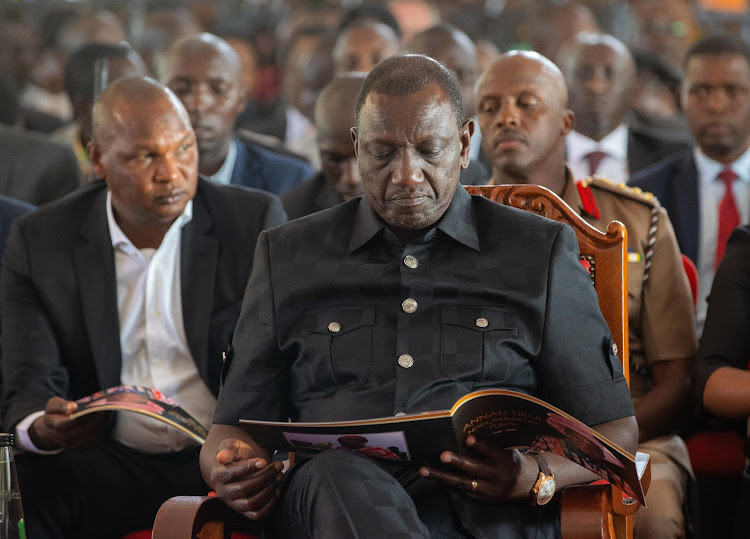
660,311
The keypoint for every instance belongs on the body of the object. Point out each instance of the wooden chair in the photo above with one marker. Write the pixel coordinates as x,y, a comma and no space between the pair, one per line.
588,511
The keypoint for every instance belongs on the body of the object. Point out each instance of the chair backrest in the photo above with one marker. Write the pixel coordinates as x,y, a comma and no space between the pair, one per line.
604,255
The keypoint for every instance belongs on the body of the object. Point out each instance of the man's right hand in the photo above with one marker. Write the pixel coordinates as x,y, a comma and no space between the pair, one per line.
55,430
246,483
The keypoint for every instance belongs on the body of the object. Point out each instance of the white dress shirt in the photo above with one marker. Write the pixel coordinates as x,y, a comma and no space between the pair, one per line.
154,346
613,167
710,192
223,176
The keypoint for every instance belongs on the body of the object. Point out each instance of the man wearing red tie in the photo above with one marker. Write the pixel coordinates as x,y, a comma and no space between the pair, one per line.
706,190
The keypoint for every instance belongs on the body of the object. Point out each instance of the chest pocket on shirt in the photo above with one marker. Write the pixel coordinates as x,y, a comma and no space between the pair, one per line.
341,338
474,343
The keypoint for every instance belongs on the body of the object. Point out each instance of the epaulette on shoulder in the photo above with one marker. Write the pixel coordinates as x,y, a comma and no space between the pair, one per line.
634,193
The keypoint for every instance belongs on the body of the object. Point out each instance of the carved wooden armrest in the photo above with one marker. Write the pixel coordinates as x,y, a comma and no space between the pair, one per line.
201,517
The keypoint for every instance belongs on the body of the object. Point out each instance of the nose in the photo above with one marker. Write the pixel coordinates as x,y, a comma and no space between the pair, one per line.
350,172
508,114
716,100
407,170
197,99
168,169
598,84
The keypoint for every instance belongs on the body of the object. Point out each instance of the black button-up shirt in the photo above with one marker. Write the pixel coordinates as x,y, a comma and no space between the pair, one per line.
338,324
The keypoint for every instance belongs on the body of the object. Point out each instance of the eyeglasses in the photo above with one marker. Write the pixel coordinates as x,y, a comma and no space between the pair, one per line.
660,28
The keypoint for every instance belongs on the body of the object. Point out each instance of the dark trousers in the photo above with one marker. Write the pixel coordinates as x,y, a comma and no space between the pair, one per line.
344,494
103,492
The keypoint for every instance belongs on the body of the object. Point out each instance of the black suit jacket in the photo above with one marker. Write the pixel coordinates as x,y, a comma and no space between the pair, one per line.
674,181
35,169
645,149
261,168
59,297
310,196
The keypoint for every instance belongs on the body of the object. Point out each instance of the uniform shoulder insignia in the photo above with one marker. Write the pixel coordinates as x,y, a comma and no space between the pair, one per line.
634,193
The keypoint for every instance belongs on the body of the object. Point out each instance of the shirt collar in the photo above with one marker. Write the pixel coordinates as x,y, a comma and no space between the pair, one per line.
614,144
458,222
223,176
121,241
708,169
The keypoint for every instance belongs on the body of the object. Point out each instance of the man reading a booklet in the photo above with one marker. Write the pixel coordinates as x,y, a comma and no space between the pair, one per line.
135,279
403,301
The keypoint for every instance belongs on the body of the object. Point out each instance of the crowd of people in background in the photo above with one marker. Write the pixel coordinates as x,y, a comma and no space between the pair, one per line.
629,110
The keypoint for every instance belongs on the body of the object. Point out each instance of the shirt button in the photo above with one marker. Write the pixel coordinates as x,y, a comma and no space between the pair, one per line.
409,305
411,261
482,322
334,327
400,414
405,360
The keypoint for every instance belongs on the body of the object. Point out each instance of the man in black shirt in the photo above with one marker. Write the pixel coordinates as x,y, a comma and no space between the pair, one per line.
403,301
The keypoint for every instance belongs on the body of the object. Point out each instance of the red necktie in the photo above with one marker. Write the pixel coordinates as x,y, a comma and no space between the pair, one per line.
594,159
729,215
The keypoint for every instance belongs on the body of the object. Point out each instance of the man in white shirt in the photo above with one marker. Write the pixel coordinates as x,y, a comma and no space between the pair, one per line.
706,190
137,279
600,74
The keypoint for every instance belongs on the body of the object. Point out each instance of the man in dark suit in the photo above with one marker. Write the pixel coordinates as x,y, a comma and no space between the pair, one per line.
692,185
136,279
338,180
35,169
206,74
402,301
600,74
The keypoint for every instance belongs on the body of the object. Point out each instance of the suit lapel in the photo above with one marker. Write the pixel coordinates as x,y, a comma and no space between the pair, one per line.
685,194
198,264
95,270
245,168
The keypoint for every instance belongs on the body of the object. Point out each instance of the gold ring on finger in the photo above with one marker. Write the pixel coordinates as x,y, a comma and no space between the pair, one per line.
474,484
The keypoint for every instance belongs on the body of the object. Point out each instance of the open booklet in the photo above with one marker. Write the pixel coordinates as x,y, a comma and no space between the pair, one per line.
143,400
506,418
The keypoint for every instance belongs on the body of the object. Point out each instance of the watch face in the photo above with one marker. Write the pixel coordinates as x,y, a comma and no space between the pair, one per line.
546,491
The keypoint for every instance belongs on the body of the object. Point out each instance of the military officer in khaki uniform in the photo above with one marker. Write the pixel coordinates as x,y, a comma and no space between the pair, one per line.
523,116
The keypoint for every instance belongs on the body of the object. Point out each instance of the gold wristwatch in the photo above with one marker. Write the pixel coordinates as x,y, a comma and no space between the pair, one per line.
544,487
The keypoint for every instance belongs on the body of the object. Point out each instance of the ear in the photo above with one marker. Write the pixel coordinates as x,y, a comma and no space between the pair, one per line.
355,141
569,121
95,157
465,134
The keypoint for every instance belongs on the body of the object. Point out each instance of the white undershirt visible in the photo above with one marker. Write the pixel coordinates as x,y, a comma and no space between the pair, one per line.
154,346
710,192
615,144
223,176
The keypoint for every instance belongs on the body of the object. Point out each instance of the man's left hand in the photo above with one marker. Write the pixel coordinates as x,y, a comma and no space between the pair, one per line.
490,478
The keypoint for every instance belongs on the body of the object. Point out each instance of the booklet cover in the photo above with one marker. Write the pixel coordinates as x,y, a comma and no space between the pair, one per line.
503,417
146,401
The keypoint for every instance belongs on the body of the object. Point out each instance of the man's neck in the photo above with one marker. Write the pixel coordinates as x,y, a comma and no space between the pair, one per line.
549,174
727,159
209,162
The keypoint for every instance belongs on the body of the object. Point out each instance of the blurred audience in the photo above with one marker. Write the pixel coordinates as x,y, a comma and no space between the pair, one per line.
665,29
338,179
556,24
361,45
206,74
600,74
89,70
706,190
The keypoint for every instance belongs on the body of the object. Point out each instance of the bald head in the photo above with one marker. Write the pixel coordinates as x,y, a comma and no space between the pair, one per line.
206,73
522,112
600,73
456,51
362,45
334,118
555,25
122,97
197,47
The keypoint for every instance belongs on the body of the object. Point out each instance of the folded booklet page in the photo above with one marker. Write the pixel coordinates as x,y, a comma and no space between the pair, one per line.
502,417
